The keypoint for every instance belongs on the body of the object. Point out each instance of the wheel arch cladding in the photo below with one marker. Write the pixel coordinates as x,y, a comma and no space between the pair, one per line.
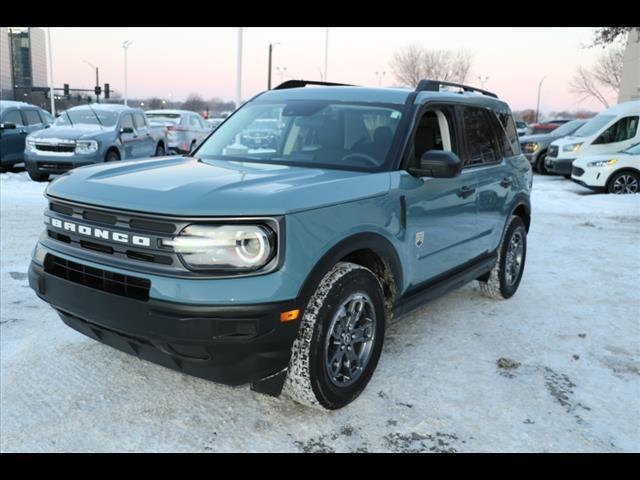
367,249
522,210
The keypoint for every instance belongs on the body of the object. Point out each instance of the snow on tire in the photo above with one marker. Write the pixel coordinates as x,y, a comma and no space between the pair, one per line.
505,276
330,321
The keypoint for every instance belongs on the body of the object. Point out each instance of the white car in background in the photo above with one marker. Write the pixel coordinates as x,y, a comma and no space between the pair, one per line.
611,173
521,128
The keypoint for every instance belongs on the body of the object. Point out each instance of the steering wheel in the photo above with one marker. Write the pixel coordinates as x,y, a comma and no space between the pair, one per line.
364,156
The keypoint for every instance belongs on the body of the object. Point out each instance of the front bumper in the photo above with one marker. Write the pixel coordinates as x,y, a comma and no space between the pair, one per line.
43,163
233,345
559,166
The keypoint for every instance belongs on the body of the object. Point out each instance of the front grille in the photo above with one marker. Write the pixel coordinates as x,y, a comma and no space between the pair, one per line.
577,171
56,148
110,282
553,151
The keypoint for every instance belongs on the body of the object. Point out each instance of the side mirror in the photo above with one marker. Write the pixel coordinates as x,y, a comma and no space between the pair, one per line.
126,130
7,126
48,125
438,164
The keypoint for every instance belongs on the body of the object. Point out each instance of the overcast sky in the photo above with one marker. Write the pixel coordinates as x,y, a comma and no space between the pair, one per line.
178,61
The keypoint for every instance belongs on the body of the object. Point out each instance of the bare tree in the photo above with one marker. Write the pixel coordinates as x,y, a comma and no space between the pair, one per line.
607,35
604,75
414,63
194,102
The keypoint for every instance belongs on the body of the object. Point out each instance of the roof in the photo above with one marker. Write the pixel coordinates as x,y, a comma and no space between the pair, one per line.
171,111
114,107
10,103
632,106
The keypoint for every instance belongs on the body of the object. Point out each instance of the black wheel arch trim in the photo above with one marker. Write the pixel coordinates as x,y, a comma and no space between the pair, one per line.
521,200
375,242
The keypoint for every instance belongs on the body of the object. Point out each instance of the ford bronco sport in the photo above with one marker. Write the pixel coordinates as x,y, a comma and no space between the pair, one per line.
281,266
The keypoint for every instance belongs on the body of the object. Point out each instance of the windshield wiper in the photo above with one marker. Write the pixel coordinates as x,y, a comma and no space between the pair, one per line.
97,117
67,114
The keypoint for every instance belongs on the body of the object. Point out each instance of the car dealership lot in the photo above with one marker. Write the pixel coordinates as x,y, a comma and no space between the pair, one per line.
555,368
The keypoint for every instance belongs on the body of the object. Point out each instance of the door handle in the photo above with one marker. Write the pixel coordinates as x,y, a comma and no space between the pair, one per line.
22,132
465,191
506,182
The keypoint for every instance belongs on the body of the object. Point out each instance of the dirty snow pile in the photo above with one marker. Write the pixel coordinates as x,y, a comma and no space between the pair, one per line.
555,368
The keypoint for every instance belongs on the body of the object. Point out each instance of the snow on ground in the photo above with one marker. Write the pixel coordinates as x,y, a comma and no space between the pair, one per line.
555,368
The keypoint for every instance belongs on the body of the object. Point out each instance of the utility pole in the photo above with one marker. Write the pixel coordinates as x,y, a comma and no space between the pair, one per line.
538,105
269,76
239,69
125,46
53,102
326,53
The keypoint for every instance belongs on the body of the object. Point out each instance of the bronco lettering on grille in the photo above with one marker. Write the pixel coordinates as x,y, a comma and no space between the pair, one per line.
101,233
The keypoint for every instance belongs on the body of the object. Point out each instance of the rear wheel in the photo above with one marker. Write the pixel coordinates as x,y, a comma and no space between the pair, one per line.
112,156
38,177
340,339
624,182
540,168
504,279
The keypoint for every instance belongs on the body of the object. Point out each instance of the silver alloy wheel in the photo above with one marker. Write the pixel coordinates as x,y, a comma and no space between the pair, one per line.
349,341
625,183
513,260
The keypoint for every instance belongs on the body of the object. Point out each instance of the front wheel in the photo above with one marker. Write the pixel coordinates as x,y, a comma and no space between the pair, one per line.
540,167
624,182
159,150
340,339
38,177
112,156
504,279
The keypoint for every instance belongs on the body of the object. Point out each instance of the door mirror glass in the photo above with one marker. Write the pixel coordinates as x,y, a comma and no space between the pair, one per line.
7,126
438,164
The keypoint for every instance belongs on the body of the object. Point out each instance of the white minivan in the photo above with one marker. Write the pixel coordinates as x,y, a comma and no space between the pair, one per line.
610,131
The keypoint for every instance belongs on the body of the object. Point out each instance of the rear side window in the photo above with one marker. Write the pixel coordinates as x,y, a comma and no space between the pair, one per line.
510,144
13,117
622,130
138,119
481,146
32,117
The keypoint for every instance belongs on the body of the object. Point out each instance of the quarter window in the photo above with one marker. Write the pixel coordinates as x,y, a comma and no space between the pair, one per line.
481,146
622,130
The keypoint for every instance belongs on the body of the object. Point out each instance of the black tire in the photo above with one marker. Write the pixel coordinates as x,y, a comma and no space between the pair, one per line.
567,176
500,284
38,177
159,150
323,338
112,156
540,168
624,182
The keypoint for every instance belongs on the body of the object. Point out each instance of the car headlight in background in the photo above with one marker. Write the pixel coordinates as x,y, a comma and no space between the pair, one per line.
31,144
602,163
530,147
574,147
239,247
86,146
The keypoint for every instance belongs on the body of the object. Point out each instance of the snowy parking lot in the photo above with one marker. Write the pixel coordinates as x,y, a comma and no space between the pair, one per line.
555,368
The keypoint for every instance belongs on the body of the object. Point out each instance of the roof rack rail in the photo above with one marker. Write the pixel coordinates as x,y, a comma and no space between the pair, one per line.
304,83
434,86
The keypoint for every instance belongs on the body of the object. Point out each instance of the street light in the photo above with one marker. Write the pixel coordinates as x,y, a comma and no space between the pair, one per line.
281,72
125,45
163,103
92,66
271,45
482,81
538,105
239,70
380,76
326,52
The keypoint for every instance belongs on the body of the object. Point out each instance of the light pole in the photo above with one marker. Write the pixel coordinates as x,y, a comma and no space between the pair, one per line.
239,69
483,80
281,72
125,45
271,45
53,103
380,76
326,52
97,79
538,105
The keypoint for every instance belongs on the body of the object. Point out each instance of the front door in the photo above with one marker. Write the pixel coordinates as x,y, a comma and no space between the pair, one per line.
12,141
146,146
619,136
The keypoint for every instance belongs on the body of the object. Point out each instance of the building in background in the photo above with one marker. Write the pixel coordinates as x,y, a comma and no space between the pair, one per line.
23,65
630,82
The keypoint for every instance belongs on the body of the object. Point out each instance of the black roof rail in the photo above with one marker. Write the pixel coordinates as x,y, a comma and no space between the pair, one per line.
434,86
304,83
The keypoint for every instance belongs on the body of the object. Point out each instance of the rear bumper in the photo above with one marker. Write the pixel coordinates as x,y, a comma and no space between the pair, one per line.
233,345
559,166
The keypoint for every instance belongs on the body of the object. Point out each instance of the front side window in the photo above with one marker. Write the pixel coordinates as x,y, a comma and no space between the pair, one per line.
127,121
435,131
13,117
32,117
87,116
307,133
622,130
481,147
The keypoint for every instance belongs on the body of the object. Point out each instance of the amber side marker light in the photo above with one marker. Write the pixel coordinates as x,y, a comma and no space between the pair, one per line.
290,315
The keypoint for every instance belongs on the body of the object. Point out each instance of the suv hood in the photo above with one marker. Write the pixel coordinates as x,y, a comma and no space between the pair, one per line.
70,133
541,138
185,186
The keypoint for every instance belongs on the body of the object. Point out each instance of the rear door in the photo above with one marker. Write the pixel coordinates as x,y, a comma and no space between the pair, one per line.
12,139
129,140
146,144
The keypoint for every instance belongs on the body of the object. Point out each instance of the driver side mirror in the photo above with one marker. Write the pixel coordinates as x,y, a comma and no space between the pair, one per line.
126,130
438,164
7,126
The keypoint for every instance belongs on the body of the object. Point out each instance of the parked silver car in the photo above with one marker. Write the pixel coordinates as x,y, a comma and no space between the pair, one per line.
184,129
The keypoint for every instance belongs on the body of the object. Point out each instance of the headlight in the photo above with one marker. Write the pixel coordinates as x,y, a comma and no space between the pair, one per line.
225,247
602,163
530,147
574,147
86,146
31,144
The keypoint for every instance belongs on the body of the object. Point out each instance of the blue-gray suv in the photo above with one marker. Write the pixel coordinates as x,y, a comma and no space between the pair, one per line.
91,134
281,266
17,120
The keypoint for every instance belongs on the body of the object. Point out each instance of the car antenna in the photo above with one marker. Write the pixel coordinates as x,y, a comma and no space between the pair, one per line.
94,112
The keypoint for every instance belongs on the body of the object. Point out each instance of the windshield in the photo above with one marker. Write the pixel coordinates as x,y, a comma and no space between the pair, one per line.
568,128
87,116
593,126
307,133
633,149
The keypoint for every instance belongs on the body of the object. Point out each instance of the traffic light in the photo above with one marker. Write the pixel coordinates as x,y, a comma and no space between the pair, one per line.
106,90
66,90
97,90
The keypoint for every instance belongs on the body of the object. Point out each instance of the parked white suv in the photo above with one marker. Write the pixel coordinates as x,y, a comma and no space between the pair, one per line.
610,131
611,173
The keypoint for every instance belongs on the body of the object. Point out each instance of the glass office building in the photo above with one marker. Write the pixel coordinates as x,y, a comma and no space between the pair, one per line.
23,63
